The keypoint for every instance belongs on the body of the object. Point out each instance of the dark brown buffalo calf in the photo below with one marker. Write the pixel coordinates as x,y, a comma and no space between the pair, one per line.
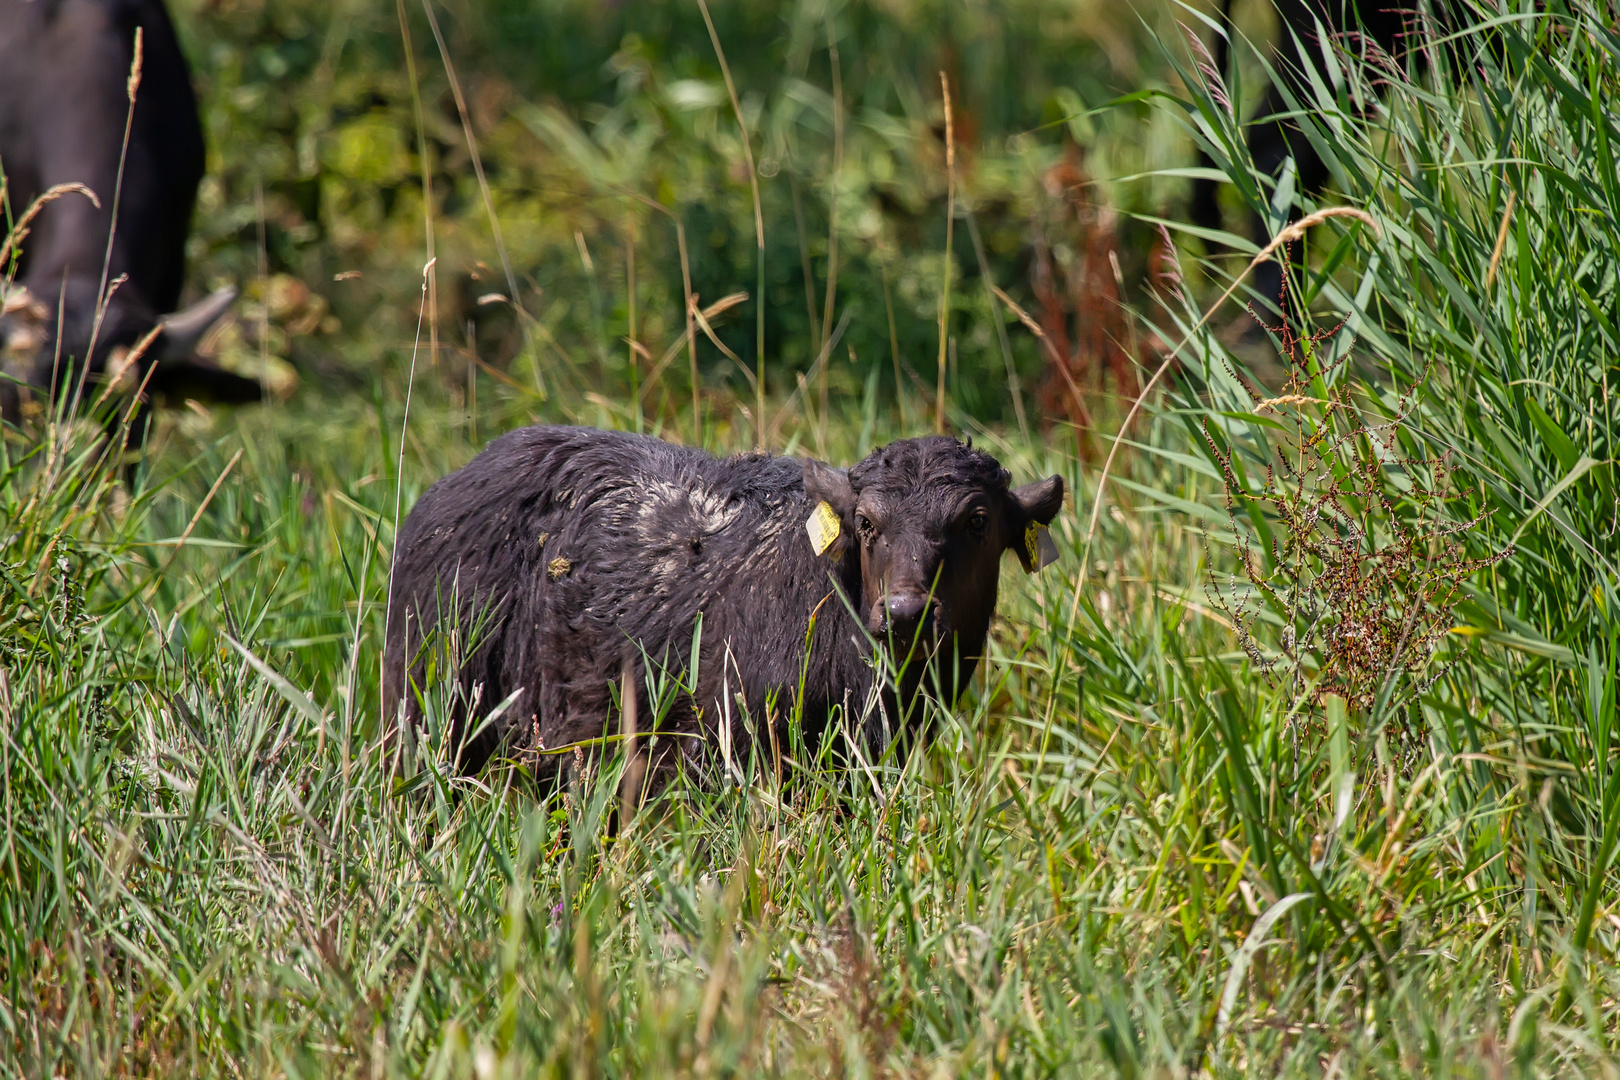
560,552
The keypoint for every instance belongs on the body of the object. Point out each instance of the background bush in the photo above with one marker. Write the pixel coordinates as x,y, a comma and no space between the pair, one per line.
578,109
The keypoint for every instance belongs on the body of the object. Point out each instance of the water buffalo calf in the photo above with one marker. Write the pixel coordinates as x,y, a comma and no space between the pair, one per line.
560,552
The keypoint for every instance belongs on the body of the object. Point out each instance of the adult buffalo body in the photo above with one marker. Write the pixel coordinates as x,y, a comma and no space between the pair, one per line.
1385,24
64,104
559,553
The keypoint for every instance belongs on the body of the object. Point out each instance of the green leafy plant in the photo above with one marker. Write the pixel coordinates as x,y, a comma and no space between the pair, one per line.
1345,542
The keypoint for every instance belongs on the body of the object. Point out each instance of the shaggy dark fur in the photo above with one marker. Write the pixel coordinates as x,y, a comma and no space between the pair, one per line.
574,549
64,70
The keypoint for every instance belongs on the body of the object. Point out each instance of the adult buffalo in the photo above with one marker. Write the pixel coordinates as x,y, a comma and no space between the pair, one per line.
84,303
1272,141
559,554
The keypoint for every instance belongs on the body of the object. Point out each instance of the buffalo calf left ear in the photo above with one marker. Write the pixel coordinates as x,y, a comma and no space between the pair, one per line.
1033,508
1041,500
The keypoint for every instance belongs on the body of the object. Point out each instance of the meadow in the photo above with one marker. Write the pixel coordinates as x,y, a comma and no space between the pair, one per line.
1301,760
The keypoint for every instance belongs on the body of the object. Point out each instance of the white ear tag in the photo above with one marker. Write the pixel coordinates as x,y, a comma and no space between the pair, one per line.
1039,547
823,526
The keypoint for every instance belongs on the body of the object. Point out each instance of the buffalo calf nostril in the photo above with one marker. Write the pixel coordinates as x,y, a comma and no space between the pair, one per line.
907,607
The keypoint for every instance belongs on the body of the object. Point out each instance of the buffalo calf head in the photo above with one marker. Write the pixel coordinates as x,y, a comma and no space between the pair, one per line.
928,520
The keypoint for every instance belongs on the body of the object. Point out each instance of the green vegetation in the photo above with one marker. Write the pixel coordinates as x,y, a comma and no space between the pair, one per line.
1148,841
599,130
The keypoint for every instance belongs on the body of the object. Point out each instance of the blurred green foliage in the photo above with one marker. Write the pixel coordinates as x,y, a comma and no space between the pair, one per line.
580,112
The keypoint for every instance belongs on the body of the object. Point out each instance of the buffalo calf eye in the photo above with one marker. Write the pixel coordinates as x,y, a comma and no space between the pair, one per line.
978,523
865,529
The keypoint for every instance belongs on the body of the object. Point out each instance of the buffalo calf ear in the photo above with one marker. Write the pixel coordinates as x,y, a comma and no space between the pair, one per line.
1040,501
1029,506
823,483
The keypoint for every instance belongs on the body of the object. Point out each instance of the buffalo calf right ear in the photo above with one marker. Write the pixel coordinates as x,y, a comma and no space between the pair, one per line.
832,508
823,483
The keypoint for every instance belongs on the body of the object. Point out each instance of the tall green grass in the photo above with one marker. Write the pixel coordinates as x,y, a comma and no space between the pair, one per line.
1129,851
1484,298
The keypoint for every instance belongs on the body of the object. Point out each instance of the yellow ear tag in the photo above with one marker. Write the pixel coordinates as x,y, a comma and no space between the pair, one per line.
823,527
1039,547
